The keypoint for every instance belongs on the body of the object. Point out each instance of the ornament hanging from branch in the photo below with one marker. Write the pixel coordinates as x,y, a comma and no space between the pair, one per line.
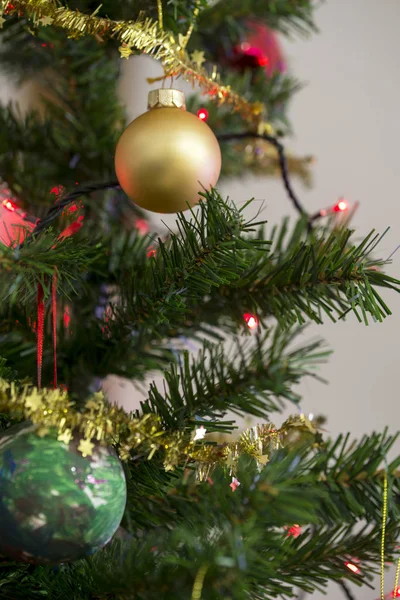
75,501
261,48
167,155
15,223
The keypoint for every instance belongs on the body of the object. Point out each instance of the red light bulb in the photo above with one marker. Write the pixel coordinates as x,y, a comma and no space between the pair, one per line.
352,567
142,226
293,531
202,113
66,317
9,204
340,206
57,190
263,61
251,320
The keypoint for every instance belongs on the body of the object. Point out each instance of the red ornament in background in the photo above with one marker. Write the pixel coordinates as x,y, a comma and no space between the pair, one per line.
14,222
260,49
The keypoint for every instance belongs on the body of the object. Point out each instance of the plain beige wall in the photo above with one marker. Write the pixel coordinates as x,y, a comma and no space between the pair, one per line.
348,117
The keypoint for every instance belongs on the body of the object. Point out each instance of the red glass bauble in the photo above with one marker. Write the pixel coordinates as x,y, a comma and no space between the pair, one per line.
260,49
14,222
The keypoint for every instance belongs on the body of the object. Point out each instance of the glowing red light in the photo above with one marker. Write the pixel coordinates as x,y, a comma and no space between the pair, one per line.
251,320
396,593
352,567
57,190
263,61
293,531
9,204
71,229
66,317
151,252
202,113
254,53
340,206
142,226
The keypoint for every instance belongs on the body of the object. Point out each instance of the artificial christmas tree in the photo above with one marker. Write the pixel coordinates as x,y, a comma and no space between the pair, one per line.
87,292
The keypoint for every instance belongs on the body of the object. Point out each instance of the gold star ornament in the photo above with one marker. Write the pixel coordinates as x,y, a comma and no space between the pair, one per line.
198,58
44,21
2,21
34,401
85,447
65,436
125,51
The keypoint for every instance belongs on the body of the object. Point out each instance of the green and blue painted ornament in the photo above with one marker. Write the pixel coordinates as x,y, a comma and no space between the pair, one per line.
56,505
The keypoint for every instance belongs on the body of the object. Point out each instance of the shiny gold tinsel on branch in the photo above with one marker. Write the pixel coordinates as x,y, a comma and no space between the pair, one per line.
53,410
143,35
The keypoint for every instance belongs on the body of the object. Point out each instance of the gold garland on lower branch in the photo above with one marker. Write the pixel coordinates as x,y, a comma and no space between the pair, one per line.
53,410
144,35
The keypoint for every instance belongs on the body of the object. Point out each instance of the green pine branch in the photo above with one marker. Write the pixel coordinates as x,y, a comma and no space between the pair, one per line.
284,15
37,261
201,281
251,379
350,473
310,276
210,249
305,276
6,373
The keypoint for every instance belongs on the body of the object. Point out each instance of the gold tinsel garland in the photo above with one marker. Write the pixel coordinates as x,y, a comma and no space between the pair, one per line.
98,421
144,35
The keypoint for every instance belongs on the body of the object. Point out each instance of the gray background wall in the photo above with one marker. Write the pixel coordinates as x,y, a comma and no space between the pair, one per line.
348,117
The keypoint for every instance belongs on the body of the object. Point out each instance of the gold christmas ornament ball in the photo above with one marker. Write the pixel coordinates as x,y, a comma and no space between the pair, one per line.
167,156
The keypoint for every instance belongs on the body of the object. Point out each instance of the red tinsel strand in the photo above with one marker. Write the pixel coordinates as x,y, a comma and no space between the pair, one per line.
54,325
40,333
